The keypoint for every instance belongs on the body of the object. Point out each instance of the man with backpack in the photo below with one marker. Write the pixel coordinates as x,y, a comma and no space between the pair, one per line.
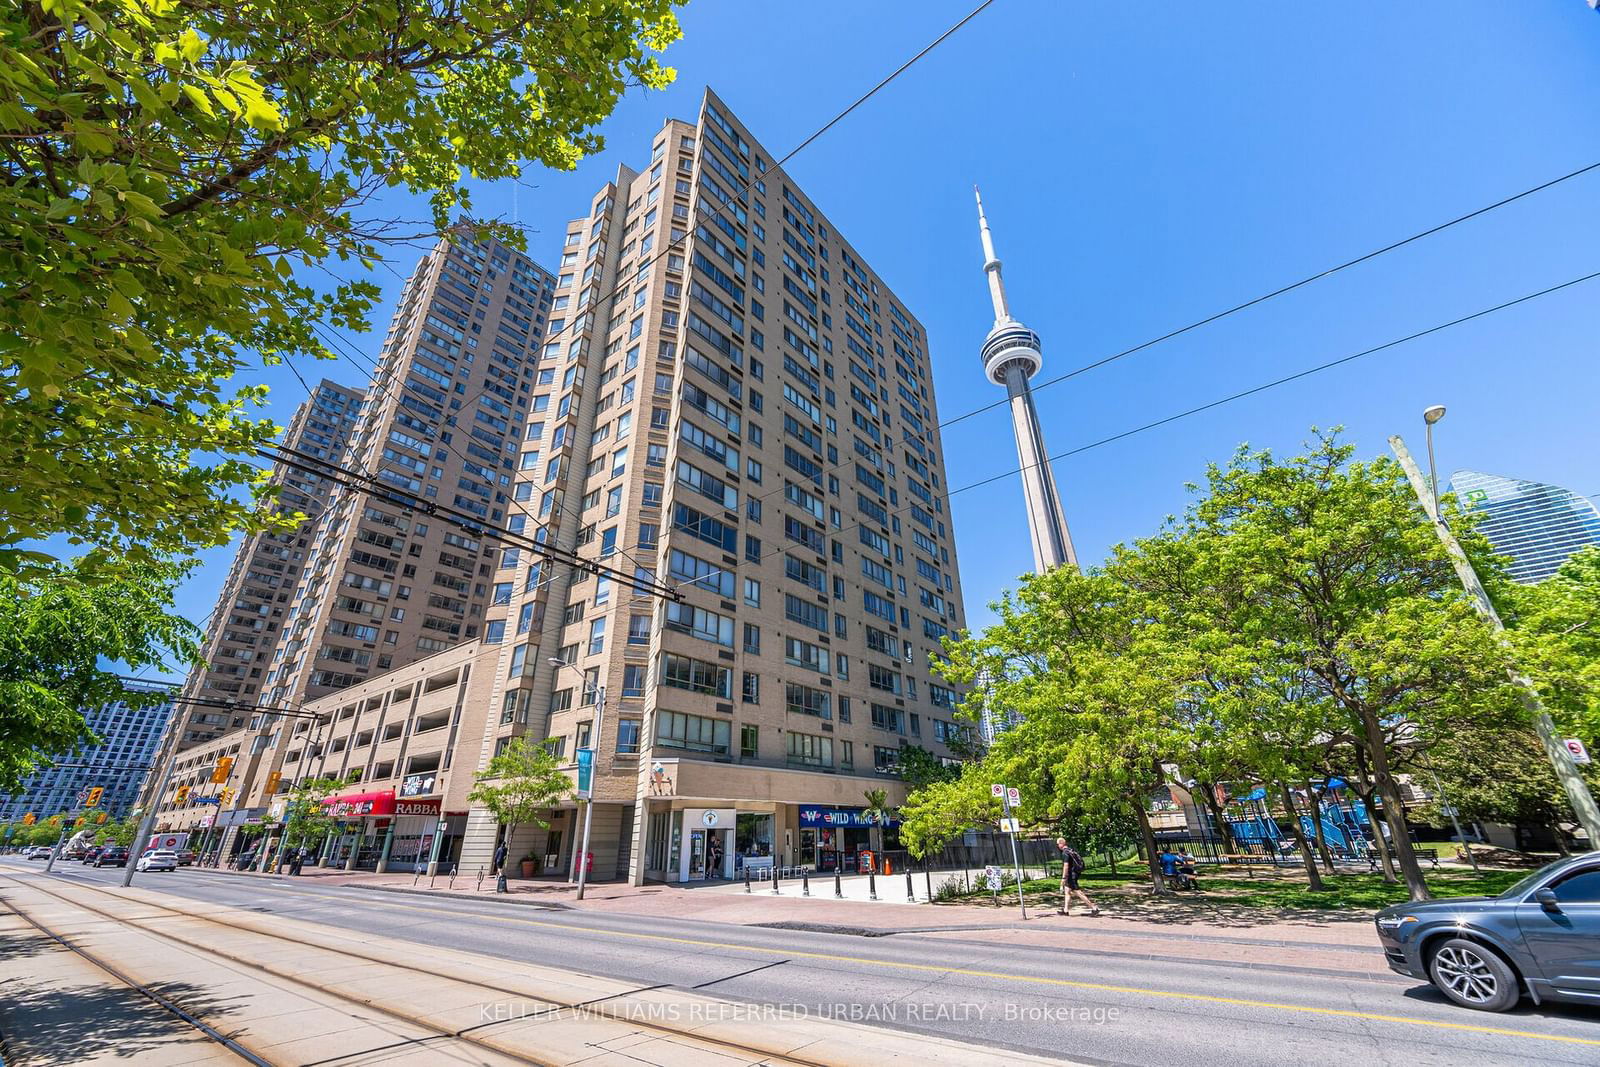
1071,871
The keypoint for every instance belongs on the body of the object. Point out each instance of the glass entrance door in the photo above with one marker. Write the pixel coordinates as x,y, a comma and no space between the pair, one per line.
697,854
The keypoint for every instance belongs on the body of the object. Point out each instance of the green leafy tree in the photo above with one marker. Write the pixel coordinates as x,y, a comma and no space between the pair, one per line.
180,184
1555,627
118,832
1323,612
920,768
58,625
305,818
940,811
521,784
1496,776
1096,683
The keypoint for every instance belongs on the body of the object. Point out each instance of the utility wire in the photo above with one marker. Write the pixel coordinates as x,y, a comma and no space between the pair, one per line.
1154,424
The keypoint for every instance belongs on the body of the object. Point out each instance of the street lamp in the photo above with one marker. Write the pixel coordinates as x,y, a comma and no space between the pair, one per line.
1429,417
587,796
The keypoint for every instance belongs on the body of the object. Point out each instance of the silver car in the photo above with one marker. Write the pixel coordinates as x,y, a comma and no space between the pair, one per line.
160,859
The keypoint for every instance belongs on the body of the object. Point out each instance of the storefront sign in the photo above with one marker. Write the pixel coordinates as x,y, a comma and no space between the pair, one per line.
429,806
839,817
355,805
419,785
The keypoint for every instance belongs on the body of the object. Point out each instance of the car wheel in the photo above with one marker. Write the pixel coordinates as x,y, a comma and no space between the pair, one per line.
1474,976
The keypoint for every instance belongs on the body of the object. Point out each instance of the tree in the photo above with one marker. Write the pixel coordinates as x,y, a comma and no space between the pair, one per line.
877,813
521,783
179,184
941,811
920,768
305,818
1097,685
1497,776
120,832
1326,614
58,624
1555,627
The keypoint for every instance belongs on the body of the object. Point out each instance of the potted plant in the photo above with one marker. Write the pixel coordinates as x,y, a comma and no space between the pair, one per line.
529,865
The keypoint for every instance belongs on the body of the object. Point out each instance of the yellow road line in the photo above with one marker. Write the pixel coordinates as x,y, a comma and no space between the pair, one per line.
1064,983
1067,983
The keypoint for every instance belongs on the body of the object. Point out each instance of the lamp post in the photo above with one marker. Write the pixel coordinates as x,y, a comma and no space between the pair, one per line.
1429,417
587,796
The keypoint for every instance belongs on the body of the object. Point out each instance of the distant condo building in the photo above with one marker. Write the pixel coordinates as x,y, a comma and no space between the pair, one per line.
1537,526
247,621
1011,356
129,738
729,420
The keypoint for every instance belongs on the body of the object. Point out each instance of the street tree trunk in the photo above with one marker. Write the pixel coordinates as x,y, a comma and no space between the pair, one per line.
1316,825
1310,861
1157,883
1218,816
1393,807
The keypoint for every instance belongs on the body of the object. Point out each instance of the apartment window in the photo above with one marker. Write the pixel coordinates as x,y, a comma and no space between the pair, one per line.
597,635
751,688
560,700
752,638
752,592
808,750
749,738
627,737
695,733
683,672
633,675
752,548
638,629
844,709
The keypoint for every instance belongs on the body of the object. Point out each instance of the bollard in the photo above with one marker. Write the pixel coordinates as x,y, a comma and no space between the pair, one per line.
480,879
911,894
805,883
500,884
774,879
418,878
838,889
747,878
452,883
872,883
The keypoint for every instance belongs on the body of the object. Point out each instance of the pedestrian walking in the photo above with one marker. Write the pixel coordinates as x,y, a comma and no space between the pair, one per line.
1071,871
714,857
500,853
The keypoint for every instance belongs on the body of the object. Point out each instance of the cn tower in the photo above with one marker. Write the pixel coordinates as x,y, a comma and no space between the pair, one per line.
1010,358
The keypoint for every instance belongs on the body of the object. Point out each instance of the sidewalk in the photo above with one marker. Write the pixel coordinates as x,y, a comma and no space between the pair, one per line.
1336,942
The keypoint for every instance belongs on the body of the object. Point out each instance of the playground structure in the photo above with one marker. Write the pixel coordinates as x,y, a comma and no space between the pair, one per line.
1253,827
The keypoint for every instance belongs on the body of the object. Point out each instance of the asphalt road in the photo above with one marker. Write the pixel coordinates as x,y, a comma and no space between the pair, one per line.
1091,1008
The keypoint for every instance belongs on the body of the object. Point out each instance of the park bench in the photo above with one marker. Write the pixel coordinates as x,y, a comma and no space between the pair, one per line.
1429,854
1249,860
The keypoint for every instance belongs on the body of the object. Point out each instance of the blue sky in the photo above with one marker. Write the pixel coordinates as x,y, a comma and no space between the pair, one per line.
1144,167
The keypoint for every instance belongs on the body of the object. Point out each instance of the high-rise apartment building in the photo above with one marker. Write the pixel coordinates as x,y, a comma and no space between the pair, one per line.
740,408
247,621
442,421
726,402
129,736
1536,525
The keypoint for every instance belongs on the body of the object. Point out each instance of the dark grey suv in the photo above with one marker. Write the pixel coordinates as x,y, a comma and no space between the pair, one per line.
1542,935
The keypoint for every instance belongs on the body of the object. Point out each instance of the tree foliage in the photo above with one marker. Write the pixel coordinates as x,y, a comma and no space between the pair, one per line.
520,784
1301,617
1555,627
58,624
178,184
305,819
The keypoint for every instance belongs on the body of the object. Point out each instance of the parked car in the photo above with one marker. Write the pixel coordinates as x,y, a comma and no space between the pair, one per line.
1541,936
185,857
38,852
72,854
91,854
159,859
112,856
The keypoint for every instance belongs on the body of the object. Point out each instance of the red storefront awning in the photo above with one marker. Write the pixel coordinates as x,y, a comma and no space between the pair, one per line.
358,804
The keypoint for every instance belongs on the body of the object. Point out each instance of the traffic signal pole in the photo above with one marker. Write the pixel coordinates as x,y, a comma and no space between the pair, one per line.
149,819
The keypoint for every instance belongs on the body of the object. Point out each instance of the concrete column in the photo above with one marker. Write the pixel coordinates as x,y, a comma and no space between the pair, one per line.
438,843
388,843
355,850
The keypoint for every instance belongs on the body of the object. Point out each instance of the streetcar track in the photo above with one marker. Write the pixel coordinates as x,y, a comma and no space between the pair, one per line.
555,1006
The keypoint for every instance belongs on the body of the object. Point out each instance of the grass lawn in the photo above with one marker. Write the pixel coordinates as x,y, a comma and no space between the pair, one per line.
1283,891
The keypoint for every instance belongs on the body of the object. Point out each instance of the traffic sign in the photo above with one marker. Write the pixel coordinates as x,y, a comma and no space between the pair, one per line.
1010,826
1576,750
997,790
1014,796
991,878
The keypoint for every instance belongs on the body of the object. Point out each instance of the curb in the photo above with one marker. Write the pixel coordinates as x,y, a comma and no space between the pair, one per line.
445,894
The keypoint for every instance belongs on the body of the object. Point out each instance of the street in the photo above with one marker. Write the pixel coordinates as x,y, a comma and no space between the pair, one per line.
1090,1006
